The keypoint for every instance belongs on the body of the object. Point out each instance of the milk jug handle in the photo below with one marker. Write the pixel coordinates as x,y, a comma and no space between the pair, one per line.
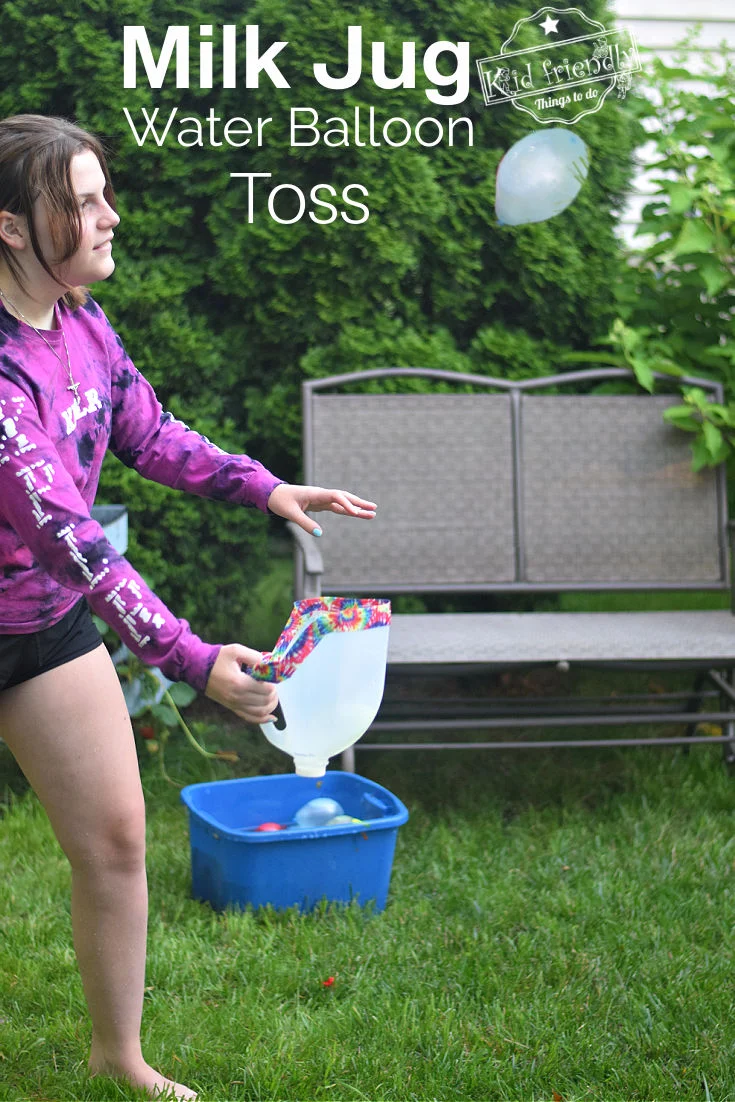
280,724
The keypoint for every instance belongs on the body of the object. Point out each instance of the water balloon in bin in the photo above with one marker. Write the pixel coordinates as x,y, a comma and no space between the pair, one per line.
329,663
318,812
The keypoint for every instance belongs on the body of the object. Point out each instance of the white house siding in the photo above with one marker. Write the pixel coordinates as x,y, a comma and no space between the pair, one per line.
659,26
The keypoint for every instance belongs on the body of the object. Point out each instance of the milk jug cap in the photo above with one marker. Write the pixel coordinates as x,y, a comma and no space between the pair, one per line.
308,766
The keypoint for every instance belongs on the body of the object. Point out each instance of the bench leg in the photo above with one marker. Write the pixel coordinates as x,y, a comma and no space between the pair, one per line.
347,760
725,682
694,702
728,728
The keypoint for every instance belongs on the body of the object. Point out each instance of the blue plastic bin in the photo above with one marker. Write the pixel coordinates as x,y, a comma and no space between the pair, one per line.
232,864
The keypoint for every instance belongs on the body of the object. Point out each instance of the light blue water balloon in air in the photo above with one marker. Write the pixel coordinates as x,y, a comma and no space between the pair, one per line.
539,176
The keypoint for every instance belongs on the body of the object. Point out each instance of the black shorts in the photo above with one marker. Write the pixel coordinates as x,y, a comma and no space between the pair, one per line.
25,656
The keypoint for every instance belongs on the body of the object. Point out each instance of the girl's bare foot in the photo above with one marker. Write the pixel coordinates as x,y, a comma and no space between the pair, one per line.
143,1075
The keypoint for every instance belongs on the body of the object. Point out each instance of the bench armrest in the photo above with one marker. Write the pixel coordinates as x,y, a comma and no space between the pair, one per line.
731,551
308,562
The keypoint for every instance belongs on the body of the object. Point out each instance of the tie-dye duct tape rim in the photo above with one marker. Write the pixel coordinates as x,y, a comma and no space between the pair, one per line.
311,620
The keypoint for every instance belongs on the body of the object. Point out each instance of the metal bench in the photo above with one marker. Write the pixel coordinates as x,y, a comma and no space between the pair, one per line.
496,486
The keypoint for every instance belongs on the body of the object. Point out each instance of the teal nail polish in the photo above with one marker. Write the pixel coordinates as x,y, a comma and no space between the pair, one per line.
317,531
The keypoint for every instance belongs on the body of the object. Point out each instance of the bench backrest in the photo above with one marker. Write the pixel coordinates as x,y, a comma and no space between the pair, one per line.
512,489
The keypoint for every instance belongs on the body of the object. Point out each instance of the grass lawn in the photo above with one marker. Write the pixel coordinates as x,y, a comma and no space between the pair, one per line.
559,926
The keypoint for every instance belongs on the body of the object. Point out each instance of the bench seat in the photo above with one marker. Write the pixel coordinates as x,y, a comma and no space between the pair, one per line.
505,639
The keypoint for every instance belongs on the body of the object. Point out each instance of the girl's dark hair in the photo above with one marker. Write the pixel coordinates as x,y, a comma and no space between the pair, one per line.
35,162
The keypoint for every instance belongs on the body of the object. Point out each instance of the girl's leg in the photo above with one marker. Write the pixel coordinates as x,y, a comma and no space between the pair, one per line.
70,733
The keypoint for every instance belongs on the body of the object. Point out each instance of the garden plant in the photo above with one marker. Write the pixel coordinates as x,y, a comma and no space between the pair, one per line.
676,296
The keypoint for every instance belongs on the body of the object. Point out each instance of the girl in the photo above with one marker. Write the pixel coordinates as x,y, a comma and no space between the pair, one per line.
68,391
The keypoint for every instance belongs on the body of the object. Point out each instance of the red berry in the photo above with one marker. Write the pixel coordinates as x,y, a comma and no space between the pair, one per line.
269,826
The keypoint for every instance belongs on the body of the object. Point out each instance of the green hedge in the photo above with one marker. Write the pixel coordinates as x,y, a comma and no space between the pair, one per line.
226,318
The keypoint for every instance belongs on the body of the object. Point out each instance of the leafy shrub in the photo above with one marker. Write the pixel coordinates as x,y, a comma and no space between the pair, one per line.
683,287
676,298
226,317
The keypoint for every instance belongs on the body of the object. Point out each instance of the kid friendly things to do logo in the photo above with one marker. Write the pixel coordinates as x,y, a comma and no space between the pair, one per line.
544,79
567,74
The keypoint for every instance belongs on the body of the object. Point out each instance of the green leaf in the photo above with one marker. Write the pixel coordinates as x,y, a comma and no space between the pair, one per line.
721,152
628,337
723,453
683,418
727,351
666,367
182,694
681,197
695,237
165,714
643,373
650,224
719,415
695,396
715,276
658,248
712,438
671,72
701,455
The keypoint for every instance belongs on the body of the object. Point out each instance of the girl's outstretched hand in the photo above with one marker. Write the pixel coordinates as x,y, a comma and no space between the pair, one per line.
252,700
291,502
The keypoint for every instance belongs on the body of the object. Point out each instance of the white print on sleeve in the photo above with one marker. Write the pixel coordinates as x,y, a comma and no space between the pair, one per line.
35,492
67,535
38,478
75,412
21,442
36,489
138,612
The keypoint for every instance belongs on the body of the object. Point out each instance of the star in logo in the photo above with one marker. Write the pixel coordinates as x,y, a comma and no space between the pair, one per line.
549,25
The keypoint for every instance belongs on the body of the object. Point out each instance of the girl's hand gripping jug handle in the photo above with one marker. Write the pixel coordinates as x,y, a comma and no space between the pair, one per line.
329,663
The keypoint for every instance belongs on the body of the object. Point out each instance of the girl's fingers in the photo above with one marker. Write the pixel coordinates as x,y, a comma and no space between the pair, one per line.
334,501
233,687
343,502
257,717
359,502
255,713
259,694
307,523
370,506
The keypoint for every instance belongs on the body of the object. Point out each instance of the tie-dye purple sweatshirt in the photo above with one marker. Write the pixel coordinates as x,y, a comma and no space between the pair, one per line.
51,450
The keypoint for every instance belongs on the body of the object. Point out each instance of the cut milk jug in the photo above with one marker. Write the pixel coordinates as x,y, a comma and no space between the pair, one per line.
329,663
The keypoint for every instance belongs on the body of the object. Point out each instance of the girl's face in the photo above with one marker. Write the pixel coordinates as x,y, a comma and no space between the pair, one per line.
93,259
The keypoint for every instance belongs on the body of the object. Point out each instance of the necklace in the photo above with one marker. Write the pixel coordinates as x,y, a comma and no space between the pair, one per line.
73,386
